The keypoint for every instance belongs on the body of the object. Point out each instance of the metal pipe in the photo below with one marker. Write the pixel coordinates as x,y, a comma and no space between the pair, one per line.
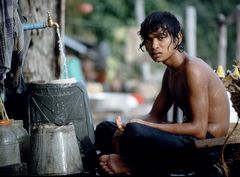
40,25
31,26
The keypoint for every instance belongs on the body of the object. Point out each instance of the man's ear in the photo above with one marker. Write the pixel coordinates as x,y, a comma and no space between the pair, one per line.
180,38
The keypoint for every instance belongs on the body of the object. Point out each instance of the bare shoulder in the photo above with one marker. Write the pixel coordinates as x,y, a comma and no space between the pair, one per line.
197,64
198,69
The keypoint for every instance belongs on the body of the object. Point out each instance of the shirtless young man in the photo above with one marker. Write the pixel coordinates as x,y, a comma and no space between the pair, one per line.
188,82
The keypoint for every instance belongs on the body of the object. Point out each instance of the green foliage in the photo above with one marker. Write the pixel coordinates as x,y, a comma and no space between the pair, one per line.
110,15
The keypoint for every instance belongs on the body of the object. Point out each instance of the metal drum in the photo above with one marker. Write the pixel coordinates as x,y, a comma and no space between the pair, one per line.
9,146
54,150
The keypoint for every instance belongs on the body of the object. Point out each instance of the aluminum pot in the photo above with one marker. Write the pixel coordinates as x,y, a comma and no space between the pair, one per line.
54,150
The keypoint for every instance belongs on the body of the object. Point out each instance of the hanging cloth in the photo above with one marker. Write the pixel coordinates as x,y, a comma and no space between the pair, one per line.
14,43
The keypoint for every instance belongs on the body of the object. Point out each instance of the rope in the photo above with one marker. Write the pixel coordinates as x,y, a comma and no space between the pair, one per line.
3,110
231,82
222,162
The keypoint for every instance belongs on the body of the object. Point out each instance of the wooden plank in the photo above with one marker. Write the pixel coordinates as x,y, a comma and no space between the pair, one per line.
213,142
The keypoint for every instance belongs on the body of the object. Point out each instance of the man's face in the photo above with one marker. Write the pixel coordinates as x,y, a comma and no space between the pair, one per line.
160,45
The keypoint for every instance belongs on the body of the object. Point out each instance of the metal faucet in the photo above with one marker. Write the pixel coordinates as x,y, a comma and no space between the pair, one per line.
40,25
51,23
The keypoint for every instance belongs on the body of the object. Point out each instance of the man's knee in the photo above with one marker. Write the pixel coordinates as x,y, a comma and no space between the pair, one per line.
132,133
106,126
103,135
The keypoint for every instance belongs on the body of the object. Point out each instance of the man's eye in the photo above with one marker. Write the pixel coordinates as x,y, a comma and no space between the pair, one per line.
148,40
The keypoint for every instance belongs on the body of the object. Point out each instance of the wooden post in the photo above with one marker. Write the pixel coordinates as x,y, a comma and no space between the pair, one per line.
238,32
222,41
139,11
41,62
61,16
140,15
191,30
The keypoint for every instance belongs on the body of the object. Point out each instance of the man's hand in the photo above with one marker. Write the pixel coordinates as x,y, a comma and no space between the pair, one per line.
117,134
121,126
119,123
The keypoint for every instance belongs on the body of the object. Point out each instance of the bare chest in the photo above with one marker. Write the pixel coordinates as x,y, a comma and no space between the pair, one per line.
178,89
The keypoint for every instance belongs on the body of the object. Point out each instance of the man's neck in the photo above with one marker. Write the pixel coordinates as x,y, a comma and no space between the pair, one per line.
176,61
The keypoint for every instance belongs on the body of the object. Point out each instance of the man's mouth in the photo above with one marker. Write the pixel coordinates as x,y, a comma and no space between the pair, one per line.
156,55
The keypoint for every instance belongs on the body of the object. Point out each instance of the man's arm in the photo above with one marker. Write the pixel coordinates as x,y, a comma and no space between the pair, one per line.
197,85
162,103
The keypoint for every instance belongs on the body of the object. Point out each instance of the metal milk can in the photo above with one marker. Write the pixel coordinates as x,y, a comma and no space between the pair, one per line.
9,146
23,139
54,150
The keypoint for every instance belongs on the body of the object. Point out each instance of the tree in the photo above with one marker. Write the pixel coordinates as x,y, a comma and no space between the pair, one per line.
43,60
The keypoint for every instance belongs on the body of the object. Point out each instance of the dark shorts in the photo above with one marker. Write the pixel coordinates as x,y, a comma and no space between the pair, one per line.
146,146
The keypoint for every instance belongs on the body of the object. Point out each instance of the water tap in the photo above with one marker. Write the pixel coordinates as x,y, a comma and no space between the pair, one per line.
51,23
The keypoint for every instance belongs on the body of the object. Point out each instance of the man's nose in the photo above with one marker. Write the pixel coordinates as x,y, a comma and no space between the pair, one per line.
155,43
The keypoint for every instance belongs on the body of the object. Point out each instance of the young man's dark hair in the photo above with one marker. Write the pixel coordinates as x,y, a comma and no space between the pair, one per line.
164,20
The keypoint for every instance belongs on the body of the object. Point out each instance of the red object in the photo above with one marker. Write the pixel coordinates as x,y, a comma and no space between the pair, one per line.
139,98
85,8
6,122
